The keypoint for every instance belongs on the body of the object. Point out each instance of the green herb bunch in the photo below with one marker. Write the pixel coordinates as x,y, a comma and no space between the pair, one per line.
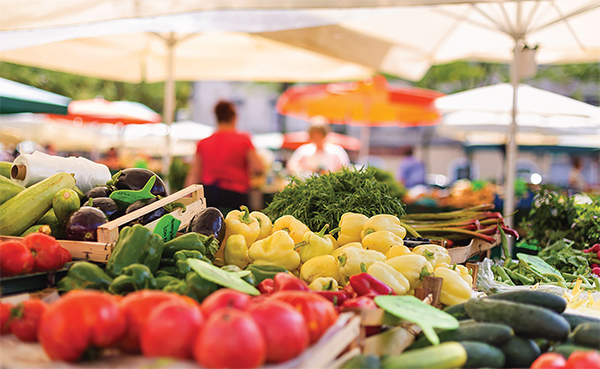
322,199
554,216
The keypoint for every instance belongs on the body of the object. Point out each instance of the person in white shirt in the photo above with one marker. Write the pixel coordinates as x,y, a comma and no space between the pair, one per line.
318,156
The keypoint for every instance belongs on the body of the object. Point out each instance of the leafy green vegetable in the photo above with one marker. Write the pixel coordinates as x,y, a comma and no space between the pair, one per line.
554,216
321,200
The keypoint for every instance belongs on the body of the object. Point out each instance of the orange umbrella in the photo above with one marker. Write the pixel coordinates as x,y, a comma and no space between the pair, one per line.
103,111
293,140
371,102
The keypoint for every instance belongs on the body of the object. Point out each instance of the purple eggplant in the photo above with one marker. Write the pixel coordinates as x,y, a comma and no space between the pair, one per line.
208,222
100,191
108,206
136,178
83,224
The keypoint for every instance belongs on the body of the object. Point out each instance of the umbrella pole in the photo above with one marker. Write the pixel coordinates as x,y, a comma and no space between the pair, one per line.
511,147
169,103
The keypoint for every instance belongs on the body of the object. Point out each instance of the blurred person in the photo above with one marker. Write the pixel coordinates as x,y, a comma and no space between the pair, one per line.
411,171
318,156
576,180
224,162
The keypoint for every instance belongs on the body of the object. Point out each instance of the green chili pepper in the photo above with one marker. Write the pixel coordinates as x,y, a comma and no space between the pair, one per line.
515,277
135,277
505,278
83,275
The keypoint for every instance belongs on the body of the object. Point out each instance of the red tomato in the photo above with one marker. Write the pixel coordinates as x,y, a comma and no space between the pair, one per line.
45,249
79,321
549,360
283,328
319,313
25,319
224,298
65,257
5,317
137,306
171,329
15,258
230,339
584,359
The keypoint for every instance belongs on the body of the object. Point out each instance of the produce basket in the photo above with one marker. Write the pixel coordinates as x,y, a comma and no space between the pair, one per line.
192,197
461,254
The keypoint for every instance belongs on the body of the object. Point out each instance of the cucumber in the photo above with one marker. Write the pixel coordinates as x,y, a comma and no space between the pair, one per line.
458,311
5,168
520,352
8,189
37,228
65,203
446,355
490,333
29,205
481,355
537,298
362,362
49,219
575,319
527,321
566,349
587,334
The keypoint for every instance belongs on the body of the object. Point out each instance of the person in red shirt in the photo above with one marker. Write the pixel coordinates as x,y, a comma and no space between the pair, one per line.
224,162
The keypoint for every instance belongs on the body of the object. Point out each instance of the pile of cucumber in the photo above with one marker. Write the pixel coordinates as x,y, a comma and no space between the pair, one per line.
508,330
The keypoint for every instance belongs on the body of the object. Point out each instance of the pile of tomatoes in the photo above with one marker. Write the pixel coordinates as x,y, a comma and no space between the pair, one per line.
228,329
36,252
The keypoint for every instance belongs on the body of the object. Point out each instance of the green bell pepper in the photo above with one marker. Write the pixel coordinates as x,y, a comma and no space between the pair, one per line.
83,275
170,271
193,286
190,241
262,272
164,281
182,268
135,277
135,245
165,262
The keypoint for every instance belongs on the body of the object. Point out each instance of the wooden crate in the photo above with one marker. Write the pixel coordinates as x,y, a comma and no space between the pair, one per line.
192,197
461,254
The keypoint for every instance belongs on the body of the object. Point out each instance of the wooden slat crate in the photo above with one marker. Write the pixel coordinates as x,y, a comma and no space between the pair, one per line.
109,232
461,254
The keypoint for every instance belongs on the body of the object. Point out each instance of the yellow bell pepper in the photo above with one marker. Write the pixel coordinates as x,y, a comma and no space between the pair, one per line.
414,267
320,266
241,222
351,259
236,251
390,276
351,224
464,272
381,241
455,290
277,249
397,250
324,284
334,242
291,225
264,224
383,222
314,244
434,254
337,252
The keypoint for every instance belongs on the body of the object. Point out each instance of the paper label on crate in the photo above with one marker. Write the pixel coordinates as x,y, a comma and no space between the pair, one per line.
167,227
129,196
414,310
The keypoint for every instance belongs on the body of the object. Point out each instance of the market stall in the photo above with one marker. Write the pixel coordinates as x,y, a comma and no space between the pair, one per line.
333,273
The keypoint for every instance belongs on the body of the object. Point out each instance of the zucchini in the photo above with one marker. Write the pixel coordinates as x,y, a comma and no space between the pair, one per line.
587,334
527,321
65,203
446,355
458,311
576,319
29,205
362,362
8,189
37,228
481,355
537,298
566,349
490,333
49,219
520,352
5,168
